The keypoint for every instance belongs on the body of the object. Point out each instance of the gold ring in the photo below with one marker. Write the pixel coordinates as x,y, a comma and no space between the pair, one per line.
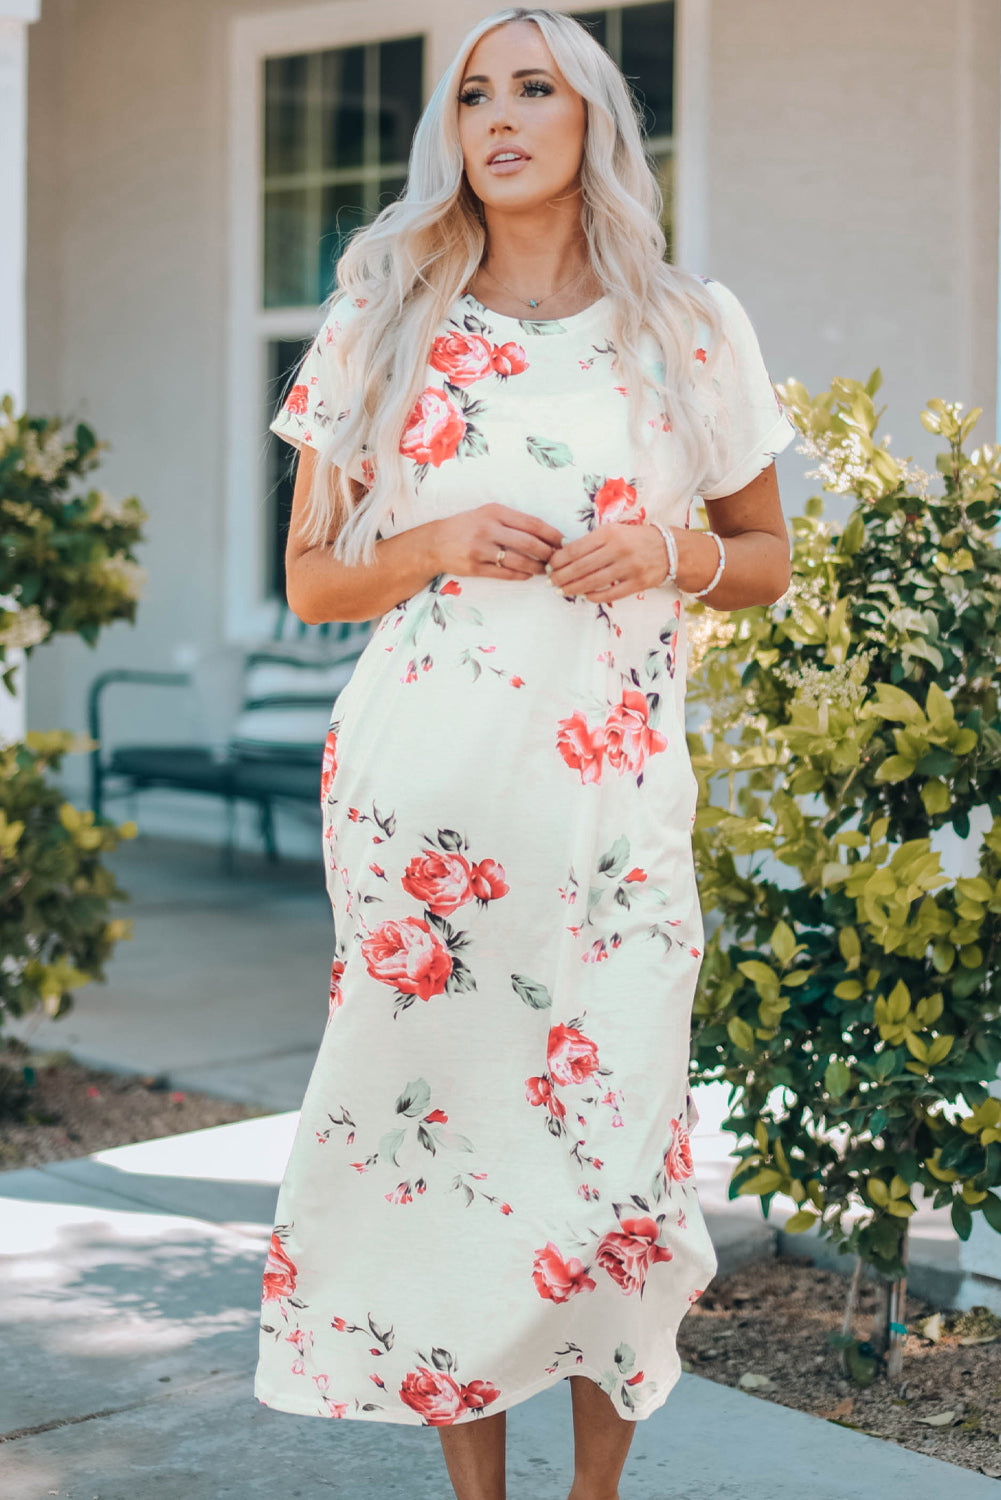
500,556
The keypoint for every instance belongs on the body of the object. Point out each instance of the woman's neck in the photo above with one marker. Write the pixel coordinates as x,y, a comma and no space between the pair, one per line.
525,259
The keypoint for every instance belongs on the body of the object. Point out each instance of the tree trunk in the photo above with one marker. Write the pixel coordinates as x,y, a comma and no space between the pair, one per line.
898,1325
889,1328
850,1303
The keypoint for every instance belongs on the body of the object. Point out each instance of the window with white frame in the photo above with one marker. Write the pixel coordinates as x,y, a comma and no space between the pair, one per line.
641,39
336,126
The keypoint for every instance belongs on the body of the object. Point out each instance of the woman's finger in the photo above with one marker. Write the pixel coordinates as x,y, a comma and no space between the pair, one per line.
583,571
529,549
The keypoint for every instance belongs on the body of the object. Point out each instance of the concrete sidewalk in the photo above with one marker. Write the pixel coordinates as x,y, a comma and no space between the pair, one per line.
128,1319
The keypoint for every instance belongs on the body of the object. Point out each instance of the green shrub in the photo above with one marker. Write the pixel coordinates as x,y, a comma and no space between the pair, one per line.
66,566
845,726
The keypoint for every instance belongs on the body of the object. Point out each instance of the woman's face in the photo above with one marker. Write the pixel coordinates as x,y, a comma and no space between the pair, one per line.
513,99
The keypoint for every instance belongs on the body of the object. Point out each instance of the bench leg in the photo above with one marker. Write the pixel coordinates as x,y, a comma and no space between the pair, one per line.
268,832
229,845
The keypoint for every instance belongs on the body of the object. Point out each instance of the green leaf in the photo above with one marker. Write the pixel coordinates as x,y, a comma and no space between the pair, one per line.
542,327
991,1210
837,1077
740,1034
765,1181
613,861
783,942
936,798
850,947
962,1218
550,454
414,1099
532,992
895,768
390,1143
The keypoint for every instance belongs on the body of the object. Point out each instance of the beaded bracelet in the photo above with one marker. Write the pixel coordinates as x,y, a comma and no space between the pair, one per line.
700,593
672,552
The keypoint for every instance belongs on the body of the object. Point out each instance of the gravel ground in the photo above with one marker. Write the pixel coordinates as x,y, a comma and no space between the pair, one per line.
63,1109
772,1319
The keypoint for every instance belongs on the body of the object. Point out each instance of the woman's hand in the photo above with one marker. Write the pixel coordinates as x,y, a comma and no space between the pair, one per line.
469,543
614,560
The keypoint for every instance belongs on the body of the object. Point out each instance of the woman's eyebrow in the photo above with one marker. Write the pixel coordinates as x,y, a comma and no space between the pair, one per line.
521,73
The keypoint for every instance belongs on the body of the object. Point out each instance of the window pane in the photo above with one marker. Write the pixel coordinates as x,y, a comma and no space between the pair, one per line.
648,61
342,212
284,356
342,117
664,163
400,68
595,22
284,115
289,258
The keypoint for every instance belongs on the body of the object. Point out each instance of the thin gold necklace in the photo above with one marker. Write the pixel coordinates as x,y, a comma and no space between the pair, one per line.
534,301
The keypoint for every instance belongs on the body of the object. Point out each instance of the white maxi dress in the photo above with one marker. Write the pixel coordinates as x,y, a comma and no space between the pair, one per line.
491,1186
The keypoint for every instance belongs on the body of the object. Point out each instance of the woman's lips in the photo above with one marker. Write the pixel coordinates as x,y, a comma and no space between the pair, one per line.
505,168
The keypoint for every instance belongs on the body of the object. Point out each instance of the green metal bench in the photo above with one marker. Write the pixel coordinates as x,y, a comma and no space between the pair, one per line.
274,749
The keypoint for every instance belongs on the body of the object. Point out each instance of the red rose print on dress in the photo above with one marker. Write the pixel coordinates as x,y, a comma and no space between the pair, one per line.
581,745
336,997
540,1090
559,1279
487,880
437,1397
298,400
329,766
628,737
434,429
405,953
463,357
627,1253
442,880
280,1272
678,1163
616,501
572,1057
508,359
478,1394
610,499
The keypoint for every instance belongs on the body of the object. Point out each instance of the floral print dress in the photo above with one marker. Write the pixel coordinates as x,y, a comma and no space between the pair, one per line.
491,1186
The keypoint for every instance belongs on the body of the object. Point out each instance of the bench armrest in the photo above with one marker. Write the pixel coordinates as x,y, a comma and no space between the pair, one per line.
94,695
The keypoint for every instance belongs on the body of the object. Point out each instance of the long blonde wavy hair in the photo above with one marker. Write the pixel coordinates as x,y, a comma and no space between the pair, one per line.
411,263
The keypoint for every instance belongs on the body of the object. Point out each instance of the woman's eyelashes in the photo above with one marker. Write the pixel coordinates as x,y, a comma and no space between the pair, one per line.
533,90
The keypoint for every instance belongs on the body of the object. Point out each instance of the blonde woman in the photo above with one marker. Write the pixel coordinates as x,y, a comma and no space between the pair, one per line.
509,406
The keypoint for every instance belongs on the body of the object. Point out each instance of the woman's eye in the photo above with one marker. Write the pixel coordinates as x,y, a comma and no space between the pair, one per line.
537,86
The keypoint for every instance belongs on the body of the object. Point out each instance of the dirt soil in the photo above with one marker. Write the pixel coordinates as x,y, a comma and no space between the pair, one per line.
65,1110
772,1319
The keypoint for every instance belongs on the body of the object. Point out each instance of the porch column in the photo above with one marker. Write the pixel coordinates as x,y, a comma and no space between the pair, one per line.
15,18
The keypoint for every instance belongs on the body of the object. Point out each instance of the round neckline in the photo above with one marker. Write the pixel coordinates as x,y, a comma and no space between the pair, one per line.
571,321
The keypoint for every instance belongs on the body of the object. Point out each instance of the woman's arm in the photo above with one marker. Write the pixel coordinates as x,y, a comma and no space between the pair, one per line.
319,587
757,553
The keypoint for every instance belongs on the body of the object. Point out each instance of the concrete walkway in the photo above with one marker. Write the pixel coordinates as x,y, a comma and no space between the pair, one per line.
131,1279
128,1313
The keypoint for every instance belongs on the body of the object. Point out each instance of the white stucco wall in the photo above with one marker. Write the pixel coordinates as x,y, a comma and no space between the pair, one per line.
851,201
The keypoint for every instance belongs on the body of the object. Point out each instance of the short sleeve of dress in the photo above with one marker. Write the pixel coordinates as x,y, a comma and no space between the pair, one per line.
760,427
311,408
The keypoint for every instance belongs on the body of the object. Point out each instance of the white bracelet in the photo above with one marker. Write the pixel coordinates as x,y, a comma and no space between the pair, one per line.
672,552
700,593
